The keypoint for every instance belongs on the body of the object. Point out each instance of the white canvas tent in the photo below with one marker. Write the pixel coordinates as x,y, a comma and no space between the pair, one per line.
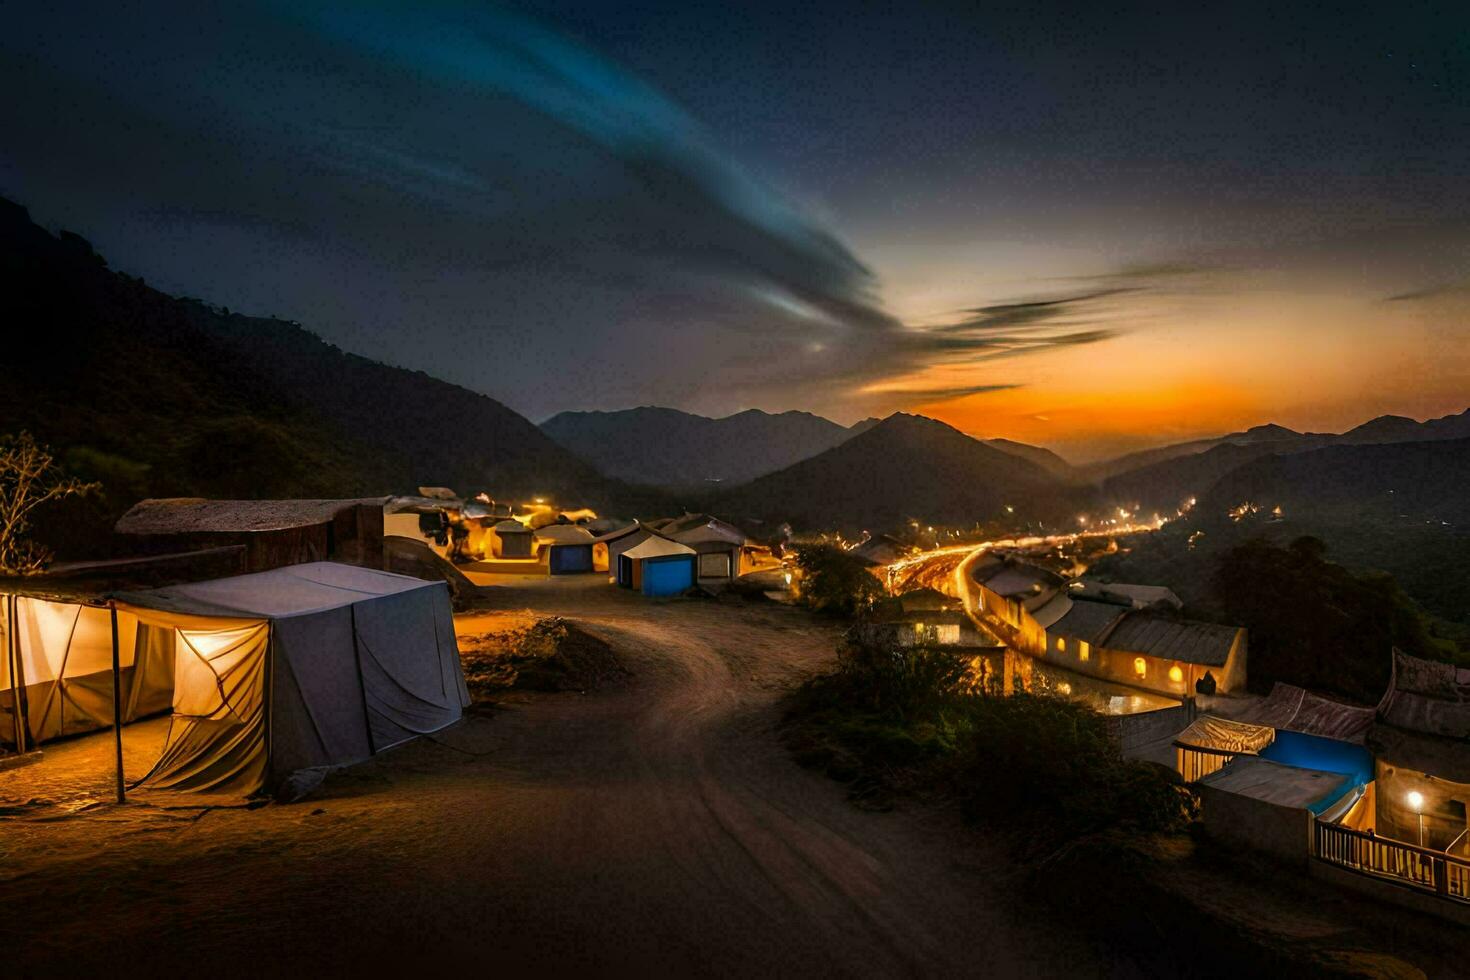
298,668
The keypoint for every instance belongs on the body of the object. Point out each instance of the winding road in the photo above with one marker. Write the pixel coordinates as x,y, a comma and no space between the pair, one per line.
655,828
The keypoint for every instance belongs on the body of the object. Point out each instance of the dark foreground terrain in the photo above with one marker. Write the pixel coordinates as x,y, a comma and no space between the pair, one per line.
653,827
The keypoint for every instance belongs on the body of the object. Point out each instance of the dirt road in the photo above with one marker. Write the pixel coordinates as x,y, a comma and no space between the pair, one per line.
657,828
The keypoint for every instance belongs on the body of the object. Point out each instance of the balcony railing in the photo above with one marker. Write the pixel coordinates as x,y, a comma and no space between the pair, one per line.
1420,868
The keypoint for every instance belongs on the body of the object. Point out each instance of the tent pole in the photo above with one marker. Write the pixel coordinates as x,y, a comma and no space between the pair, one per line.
117,702
12,664
17,677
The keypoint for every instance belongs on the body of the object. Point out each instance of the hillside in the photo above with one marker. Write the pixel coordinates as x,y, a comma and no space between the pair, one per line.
1045,458
1165,485
906,468
1402,508
156,395
1397,428
667,447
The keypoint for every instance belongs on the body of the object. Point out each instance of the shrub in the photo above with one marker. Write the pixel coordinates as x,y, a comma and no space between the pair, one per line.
894,721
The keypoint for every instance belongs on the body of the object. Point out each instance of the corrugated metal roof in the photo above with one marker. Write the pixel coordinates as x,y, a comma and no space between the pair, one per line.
196,515
1271,782
1295,709
1088,621
1167,638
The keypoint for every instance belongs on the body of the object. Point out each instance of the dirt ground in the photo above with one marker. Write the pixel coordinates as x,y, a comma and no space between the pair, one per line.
654,827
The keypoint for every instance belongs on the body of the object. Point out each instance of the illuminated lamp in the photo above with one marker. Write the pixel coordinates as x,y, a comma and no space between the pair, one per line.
1140,666
1416,802
1176,675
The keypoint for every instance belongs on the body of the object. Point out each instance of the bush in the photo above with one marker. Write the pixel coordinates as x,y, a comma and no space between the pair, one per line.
1053,762
893,721
834,582
899,682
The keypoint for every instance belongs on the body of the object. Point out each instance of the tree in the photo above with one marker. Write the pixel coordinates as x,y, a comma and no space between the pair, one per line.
28,478
1316,624
833,581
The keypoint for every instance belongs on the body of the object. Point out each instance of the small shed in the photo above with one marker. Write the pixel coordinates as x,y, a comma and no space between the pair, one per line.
568,548
275,533
719,544
1253,802
658,567
512,539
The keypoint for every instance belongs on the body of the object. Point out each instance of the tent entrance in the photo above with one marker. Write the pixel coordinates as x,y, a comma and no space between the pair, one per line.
58,699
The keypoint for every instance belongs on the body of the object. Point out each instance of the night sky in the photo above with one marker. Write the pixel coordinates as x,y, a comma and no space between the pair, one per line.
1083,228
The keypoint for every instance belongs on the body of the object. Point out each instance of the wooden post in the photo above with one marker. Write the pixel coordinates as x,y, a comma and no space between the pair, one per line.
117,703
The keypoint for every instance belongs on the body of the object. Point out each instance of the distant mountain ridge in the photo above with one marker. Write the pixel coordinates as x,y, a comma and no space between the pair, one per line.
672,448
906,468
668,447
1161,479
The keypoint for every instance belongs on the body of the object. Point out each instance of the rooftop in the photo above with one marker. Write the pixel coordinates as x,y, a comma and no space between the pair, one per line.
1013,579
1169,638
1272,782
1088,620
196,515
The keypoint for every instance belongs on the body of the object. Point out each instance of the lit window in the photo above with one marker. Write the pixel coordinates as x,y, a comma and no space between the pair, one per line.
1061,645
1140,666
1176,675
1082,650
949,633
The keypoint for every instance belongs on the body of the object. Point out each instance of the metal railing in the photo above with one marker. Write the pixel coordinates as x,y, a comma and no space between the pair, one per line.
1417,867
1195,763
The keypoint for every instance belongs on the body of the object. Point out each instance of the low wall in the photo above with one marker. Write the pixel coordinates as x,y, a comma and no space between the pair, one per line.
1387,891
1283,832
1132,731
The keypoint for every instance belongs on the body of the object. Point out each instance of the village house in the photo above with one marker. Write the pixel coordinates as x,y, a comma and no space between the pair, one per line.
564,548
273,533
1127,634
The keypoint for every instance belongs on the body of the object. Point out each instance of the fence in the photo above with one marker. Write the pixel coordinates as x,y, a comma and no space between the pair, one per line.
1417,867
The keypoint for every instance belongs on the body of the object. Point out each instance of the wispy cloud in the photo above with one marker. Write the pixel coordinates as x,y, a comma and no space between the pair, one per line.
1436,291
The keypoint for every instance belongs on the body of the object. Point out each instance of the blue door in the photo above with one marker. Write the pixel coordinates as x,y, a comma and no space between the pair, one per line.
668,576
569,558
